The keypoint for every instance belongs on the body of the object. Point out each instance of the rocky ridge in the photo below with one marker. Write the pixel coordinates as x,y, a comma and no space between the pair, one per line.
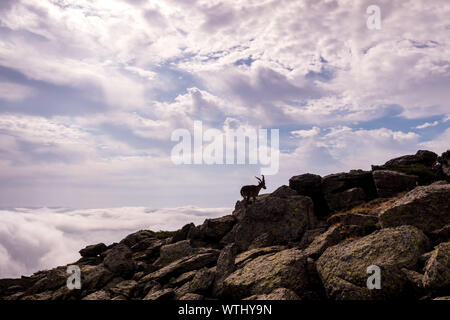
311,240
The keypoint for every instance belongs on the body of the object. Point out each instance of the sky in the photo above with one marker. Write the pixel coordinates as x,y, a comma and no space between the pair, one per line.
92,90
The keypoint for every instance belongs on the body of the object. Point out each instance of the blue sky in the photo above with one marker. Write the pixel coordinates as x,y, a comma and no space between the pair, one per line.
90,92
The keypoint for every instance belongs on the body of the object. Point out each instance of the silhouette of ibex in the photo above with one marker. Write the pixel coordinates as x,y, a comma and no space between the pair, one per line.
252,191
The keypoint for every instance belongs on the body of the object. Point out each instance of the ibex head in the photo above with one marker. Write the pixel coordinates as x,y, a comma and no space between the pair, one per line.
262,183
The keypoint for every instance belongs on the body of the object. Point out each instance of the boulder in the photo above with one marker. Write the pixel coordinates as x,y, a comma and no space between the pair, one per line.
145,244
421,165
310,235
441,235
350,218
98,295
182,279
423,157
174,251
93,250
389,183
152,252
277,294
203,258
161,295
306,184
192,296
327,239
284,192
437,269
94,278
283,219
426,207
182,234
345,190
136,237
123,288
225,262
118,261
311,185
216,229
343,267
444,160
225,266
345,199
339,182
201,283
249,255
264,274
46,295
51,279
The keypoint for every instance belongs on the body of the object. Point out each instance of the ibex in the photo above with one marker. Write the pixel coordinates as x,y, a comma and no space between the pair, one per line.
252,191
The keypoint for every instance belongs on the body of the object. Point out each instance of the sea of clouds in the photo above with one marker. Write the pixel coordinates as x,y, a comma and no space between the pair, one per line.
33,239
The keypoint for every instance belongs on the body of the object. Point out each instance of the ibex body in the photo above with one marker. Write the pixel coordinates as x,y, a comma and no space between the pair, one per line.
252,191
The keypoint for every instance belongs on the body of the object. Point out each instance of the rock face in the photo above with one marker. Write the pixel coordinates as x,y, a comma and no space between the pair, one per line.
311,240
93,250
427,208
171,252
421,165
118,261
345,199
423,157
437,269
277,294
343,267
216,229
266,273
444,160
199,260
389,183
283,219
343,190
311,185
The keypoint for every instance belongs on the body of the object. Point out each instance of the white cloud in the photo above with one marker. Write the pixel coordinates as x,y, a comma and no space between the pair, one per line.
36,239
427,125
306,133
440,143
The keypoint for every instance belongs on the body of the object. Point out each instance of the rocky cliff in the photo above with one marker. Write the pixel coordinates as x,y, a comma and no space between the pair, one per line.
311,240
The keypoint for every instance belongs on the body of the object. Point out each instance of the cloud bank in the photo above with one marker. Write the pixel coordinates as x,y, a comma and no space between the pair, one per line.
37,239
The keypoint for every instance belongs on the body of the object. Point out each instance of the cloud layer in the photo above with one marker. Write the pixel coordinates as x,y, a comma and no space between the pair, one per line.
37,239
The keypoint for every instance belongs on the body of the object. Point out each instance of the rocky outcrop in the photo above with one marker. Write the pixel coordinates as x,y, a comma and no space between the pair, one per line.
93,250
437,269
389,183
266,273
282,218
118,261
171,252
426,207
343,190
203,258
311,240
311,185
277,294
343,267
444,161
424,157
421,165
